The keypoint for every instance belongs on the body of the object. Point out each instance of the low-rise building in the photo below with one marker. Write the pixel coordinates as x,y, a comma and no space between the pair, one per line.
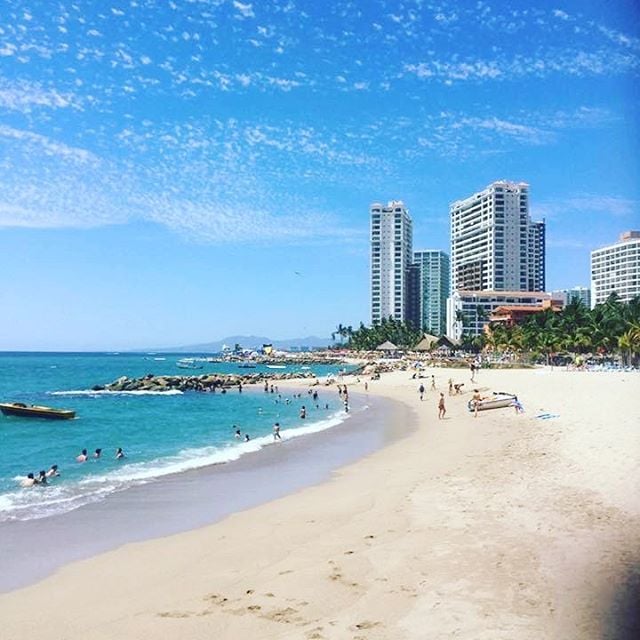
616,268
468,312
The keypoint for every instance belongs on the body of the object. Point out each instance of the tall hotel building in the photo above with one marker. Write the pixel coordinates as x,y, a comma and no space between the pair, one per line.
432,289
391,262
494,243
495,246
616,268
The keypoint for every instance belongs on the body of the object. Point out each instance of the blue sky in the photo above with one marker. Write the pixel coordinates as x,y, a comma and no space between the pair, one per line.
174,172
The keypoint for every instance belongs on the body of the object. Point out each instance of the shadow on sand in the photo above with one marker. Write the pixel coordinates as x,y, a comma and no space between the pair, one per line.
623,619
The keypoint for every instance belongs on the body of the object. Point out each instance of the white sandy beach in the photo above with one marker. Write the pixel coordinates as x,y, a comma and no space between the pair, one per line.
500,527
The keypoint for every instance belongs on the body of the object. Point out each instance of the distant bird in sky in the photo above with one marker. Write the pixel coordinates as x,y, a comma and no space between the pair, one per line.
297,273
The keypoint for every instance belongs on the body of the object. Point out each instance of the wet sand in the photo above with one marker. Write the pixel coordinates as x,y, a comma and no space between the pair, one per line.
33,549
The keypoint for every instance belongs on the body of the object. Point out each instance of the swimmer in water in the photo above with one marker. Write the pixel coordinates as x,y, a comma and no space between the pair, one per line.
82,457
53,472
29,481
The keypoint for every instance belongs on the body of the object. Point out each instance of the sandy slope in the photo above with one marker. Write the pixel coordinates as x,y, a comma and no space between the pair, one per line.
500,527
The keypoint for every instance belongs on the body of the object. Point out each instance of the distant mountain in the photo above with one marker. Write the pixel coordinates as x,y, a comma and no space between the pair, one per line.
247,342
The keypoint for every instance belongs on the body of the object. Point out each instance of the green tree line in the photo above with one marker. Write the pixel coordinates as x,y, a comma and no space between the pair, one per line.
610,328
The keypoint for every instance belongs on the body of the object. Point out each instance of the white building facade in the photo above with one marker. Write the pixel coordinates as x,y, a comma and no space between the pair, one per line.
391,258
432,290
566,296
469,311
495,247
616,268
494,244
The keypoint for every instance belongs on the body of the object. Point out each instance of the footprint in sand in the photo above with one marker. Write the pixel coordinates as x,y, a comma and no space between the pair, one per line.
367,624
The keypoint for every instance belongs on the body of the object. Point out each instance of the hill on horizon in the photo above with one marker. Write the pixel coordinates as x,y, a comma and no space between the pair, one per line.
247,342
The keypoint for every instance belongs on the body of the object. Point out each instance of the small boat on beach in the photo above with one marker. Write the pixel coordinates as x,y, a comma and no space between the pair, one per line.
499,400
23,410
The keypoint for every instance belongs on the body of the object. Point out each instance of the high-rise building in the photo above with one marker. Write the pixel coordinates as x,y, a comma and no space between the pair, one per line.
432,268
566,296
494,244
495,247
391,259
616,268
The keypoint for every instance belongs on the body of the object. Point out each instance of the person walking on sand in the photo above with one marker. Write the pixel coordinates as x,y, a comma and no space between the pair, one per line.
421,391
450,387
442,410
276,432
472,369
476,402
433,383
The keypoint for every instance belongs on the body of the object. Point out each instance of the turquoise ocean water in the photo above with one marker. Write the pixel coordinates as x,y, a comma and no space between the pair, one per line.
160,433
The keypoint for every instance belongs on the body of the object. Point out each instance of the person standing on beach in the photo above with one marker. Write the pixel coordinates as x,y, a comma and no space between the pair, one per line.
476,402
421,391
433,383
450,387
472,369
276,431
442,410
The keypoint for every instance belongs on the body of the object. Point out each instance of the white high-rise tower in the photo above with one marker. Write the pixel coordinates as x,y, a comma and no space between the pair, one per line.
494,244
391,258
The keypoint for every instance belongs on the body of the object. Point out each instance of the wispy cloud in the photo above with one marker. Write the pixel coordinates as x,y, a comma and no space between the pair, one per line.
24,96
570,62
47,145
599,204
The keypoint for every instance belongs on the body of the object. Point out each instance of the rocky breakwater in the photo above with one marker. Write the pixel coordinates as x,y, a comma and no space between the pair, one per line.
206,382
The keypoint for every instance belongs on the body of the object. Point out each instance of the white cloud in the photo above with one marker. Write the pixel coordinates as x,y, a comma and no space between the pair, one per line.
47,145
24,96
245,10
588,204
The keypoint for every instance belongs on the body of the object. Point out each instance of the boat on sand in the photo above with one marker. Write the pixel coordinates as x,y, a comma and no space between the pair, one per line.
23,410
499,400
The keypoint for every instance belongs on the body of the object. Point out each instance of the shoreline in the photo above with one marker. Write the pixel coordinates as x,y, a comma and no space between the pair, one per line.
193,498
500,527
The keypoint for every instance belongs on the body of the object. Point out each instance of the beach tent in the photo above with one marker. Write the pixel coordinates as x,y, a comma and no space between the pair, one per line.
386,346
427,343
450,343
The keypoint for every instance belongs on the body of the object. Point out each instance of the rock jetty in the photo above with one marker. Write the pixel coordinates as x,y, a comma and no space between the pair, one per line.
205,382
